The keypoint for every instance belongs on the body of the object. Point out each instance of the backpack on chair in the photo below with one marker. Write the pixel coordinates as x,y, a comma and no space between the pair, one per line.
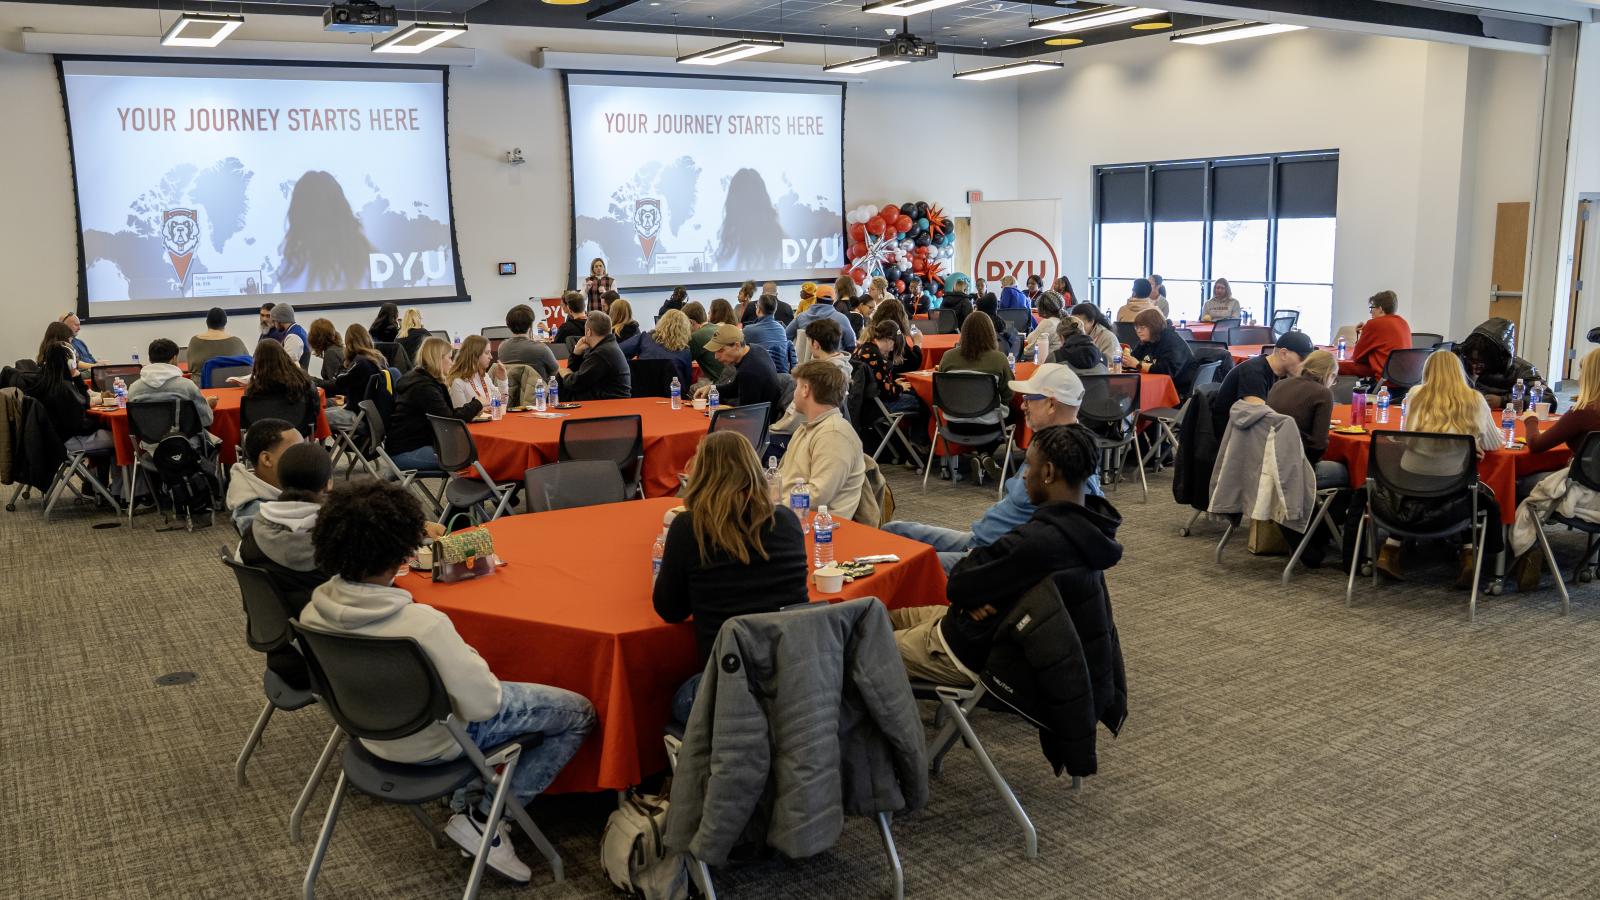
632,839
182,478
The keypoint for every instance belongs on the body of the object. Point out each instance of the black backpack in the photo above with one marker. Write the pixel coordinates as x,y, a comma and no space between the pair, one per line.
183,479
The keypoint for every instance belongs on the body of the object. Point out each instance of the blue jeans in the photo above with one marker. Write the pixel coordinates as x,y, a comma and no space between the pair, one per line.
1332,474
423,459
906,403
951,545
683,700
564,718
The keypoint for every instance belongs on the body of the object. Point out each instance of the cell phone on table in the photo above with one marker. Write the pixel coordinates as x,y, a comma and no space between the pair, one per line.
568,405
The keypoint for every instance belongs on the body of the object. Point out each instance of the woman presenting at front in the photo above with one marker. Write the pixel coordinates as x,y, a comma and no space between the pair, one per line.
597,285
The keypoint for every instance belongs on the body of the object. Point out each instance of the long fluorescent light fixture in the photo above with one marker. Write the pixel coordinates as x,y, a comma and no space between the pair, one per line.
1095,18
725,53
1025,67
1230,31
865,64
201,30
419,37
908,7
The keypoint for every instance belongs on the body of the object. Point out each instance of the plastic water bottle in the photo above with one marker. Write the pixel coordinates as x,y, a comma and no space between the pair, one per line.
1403,405
1116,360
1011,360
119,389
677,393
1383,405
1508,423
1535,393
1183,323
1518,390
539,395
456,343
800,504
1341,348
1041,350
657,550
497,410
136,358
823,533
554,390
538,331
774,481
714,398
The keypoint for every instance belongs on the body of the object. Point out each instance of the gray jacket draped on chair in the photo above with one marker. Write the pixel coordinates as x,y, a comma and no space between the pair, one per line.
1262,472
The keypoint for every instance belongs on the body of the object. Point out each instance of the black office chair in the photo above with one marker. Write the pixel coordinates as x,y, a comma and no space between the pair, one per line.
1110,408
102,376
221,374
1395,493
452,441
616,439
395,354
943,321
1126,333
267,632
1019,319
1284,320
1403,370
578,482
302,414
560,349
1585,470
1185,333
750,421
1240,335
653,377
972,400
151,420
1425,340
1343,387
1221,329
495,331
440,334
384,689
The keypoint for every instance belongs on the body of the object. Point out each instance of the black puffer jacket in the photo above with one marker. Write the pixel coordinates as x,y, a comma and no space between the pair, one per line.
1080,354
417,396
1198,442
1489,355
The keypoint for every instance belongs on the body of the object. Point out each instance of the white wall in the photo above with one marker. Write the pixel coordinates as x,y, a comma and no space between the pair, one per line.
502,212
1396,110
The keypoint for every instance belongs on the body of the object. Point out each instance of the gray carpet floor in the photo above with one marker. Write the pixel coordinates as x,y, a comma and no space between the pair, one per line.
1278,743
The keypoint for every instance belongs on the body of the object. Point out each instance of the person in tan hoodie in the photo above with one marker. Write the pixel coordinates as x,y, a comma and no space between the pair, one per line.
826,451
1139,302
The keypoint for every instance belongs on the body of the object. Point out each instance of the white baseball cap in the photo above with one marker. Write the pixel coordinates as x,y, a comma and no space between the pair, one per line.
1055,381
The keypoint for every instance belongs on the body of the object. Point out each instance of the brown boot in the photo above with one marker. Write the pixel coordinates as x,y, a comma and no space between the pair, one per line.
1464,576
1388,561
1528,569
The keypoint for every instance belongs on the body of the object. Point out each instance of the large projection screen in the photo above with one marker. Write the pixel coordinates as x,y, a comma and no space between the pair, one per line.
705,180
231,184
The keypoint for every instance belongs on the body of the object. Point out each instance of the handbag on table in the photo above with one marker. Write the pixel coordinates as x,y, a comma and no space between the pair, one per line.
463,554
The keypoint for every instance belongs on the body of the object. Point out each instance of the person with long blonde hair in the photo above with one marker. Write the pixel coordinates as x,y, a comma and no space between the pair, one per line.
731,552
623,325
412,332
1540,492
476,374
669,341
420,393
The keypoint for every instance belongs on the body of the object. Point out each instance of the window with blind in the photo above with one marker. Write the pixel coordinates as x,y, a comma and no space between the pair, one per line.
1265,223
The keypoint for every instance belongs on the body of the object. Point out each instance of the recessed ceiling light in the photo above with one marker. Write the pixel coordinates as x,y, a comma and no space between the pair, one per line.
569,2
1063,41
419,37
1098,17
726,53
1151,26
1229,31
865,64
200,30
907,7
1025,67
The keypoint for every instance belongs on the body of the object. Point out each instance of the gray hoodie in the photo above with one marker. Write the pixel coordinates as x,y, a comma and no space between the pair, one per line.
246,492
1262,472
282,529
165,381
387,611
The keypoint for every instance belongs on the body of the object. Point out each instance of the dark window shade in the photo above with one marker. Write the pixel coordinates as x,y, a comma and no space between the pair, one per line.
1179,195
1122,195
1239,192
1308,189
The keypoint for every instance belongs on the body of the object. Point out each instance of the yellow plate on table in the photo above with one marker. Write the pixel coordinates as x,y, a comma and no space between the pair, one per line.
1350,429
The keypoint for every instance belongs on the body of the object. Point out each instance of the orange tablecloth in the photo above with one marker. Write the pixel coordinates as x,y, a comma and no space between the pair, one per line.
1155,391
1498,469
1242,352
1201,330
572,611
224,424
520,441
935,346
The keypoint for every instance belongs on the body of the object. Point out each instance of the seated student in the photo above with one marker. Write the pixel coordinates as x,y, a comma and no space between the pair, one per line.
1307,400
254,479
743,303
597,370
475,374
956,297
1071,535
825,451
572,325
1254,378
286,332
214,341
161,380
1005,336
754,379
1138,302
1576,423
520,349
362,362
765,332
710,370
1541,492
821,309
1490,358
274,376
66,403
977,351
327,346
1098,329
385,327
822,342
1378,337
1161,352
1158,296
669,341
59,333
623,325
677,300
277,538
1222,304
808,296
1050,315
265,319
364,533
914,300
730,552
80,349
1050,396
412,332
420,393
1076,350
909,358
1013,297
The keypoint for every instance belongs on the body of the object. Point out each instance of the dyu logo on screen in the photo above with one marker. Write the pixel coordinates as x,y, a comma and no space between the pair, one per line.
384,265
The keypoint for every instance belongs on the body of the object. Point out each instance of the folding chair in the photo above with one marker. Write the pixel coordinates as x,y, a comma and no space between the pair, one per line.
74,463
1166,419
750,421
1222,329
1386,468
578,482
1250,334
1284,320
560,350
383,466
943,321
1585,470
1110,408
962,397
1403,370
617,439
893,420
1424,340
1325,498
1185,333
1018,319
102,376
452,441
151,420
267,631
384,689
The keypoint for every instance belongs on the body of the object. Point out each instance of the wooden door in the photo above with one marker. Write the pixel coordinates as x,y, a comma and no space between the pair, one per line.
1510,262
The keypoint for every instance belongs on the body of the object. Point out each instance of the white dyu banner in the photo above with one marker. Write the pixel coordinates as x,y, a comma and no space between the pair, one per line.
1017,238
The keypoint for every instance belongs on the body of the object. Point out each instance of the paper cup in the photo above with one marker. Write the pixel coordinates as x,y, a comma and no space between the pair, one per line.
699,403
1542,410
829,580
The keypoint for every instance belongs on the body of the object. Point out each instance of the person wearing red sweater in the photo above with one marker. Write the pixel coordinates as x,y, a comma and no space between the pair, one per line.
1385,333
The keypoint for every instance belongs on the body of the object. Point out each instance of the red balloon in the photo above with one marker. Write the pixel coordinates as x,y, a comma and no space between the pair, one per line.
858,232
858,250
922,252
876,227
890,214
858,276
902,224
899,285
919,265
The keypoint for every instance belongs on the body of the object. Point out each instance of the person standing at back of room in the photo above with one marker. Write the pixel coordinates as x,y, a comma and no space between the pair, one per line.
597,285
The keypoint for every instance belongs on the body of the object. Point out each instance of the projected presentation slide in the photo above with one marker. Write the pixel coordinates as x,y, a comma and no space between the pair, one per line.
201,184
706,180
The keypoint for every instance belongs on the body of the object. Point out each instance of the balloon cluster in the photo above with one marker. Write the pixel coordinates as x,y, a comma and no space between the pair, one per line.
899,242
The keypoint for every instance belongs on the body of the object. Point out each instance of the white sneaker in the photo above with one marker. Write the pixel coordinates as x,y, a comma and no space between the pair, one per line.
502,857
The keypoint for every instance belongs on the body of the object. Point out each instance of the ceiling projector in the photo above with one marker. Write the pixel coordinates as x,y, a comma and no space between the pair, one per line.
907,46
359,17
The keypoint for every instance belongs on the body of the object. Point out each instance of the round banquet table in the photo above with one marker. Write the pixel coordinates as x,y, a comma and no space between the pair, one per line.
935,346
574,612
1498,469
224,424
1201,330
1242,352
520,441
1155,392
